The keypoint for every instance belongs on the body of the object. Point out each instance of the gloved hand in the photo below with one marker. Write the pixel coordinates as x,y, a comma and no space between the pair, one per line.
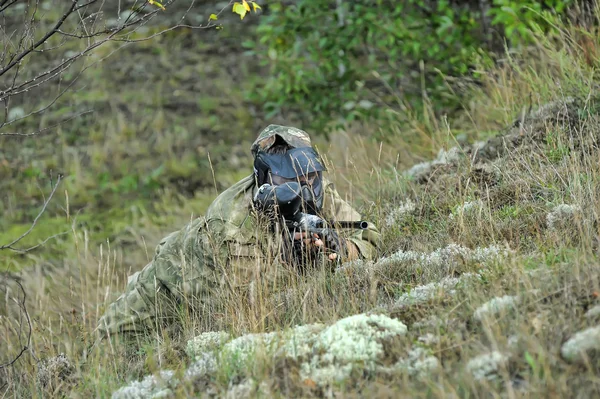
301,251
306,250
334,243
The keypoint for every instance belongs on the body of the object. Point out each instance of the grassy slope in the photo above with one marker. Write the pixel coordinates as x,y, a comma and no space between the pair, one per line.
169,125
550,160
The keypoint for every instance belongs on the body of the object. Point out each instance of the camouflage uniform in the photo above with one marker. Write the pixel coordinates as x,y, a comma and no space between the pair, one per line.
225,249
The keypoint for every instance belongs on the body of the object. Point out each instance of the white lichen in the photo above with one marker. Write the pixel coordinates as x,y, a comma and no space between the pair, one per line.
495,306
358,338
325,354
431,322
449,257
399,213
419,362
468,208
443,258
489,254
444,157
244,390
593,312
249,388
324,375
299,342
245,346
360,266
425,293
514,341
437,263
354,342
55,369
204,365
562,217
419,170
582,345
206,342
151,386
478,145
487,366
440,260
429,339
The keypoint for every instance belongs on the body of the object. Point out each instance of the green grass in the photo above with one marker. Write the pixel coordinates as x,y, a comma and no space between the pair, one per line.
142,170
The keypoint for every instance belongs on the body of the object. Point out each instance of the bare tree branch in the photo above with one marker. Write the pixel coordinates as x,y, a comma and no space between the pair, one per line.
120,33
24,311
4,5
38,132
24,251
46,202
44,108
48,35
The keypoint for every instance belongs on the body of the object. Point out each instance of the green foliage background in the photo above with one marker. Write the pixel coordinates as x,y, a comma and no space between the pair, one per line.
172,118
170,125
347,60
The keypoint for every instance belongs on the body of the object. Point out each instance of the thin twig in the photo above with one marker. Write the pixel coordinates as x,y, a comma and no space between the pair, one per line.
41,41
27,46
46,128
24,251
4,6
10,246
41,78
25,347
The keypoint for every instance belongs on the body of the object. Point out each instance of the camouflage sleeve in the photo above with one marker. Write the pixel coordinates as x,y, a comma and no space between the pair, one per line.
183,271
367,240
248,253
199,267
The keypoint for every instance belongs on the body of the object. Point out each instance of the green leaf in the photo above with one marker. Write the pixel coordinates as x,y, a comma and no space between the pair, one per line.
213,17
157,4
239,9
255,6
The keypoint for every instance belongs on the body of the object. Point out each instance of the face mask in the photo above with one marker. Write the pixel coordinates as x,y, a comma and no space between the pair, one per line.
312,196
301,165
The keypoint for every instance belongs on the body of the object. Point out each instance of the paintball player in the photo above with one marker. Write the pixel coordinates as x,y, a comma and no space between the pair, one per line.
239,240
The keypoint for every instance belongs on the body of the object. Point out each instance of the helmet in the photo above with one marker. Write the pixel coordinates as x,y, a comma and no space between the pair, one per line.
292,136
302,165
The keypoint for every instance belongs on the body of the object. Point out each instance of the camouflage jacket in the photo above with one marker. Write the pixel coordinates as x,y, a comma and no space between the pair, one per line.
212,255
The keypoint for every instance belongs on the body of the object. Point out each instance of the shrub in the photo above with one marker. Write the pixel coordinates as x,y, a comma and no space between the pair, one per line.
353,60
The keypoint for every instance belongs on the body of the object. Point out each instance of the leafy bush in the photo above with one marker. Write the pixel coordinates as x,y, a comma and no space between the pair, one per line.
350,60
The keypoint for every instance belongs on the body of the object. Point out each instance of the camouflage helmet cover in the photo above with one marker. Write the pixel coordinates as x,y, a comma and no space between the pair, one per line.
291,135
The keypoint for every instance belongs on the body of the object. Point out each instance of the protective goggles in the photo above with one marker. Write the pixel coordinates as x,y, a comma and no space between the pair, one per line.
301,165
294,163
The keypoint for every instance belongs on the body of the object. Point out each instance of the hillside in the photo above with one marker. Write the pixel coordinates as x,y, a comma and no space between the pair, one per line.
491,284
487,283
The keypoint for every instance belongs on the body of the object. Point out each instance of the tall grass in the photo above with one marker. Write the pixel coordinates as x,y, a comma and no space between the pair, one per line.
550,159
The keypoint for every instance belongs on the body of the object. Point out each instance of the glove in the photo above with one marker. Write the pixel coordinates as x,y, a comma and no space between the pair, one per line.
296,252
334,243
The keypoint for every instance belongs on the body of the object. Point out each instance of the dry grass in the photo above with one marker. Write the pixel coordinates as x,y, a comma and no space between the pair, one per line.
510,185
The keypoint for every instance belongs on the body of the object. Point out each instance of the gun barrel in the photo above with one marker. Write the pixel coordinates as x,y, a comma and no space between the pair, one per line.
346,224
360,224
